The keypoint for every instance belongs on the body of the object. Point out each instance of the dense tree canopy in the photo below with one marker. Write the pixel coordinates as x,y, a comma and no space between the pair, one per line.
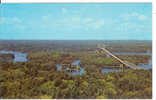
39,78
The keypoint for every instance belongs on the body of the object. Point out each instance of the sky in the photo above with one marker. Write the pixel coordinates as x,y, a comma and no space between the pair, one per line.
69,21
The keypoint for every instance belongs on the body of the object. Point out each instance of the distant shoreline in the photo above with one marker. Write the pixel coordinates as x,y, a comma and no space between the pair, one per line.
71,40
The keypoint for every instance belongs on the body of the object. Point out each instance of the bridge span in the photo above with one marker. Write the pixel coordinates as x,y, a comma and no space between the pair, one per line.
126,63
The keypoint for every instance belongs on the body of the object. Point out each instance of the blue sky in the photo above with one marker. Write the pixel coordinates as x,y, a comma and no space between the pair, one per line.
90,21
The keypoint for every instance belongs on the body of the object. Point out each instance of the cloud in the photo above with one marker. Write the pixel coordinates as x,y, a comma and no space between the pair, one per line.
8,20
142,17
64,10
80,23
133,15
123,27
15,22
2,20
131,27
20,27
89,23
76,19
45,17
133,22
87,20
97,24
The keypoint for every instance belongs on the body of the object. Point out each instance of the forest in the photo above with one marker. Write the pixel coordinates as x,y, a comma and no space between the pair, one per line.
39,78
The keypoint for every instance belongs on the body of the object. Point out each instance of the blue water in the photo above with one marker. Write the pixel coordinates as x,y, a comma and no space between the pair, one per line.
19,57
106,70
22,57
146,66
58,67
78,73
76,62
132,53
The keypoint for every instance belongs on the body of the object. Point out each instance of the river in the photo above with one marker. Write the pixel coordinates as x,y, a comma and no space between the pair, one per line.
76,62
106,70
22,57
18,56
143,66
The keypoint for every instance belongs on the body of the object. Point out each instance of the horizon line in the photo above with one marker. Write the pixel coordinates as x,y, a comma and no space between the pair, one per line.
72,40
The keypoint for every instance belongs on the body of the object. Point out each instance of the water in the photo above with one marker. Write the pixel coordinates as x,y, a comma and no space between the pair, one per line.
106,70
132,53
19,57
144,66
22,57
58,67
76,62
78,73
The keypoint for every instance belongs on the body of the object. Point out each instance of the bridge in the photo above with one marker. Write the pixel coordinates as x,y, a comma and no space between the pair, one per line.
125,63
